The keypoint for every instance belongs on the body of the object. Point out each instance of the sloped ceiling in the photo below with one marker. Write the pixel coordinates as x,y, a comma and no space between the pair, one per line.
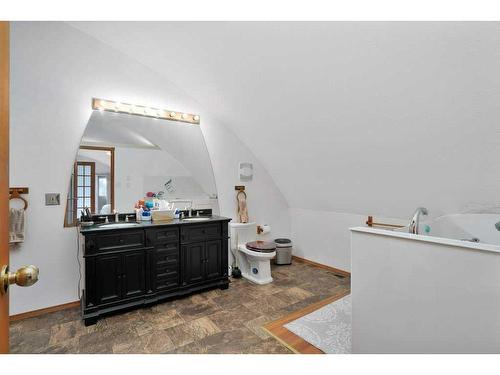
346,116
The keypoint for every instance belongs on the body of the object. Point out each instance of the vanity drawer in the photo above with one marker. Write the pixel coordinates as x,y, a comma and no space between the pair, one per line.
166,282
157,235
114,241
200,232
168,272
167,256
165,268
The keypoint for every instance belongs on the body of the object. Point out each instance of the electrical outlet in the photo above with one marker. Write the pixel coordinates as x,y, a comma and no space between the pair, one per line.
52,199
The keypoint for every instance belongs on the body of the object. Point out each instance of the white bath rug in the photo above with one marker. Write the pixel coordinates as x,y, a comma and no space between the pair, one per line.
328,328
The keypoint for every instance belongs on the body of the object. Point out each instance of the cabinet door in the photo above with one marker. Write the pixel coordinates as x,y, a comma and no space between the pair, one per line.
213,259
108,278
194,262
134,282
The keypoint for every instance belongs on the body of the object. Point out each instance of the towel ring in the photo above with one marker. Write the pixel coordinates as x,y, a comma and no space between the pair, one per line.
15,195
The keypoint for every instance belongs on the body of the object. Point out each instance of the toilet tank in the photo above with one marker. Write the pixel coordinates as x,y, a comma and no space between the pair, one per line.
241,233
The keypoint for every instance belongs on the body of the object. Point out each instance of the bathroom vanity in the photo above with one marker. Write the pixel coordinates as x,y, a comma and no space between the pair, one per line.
136,264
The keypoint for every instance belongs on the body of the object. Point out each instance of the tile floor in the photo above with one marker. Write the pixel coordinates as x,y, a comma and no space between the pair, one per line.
217,321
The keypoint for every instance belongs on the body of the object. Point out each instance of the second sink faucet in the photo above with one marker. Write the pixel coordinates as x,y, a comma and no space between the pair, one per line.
413,227
117,217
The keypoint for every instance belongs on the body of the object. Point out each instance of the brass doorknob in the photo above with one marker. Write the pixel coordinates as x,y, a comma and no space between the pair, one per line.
24,276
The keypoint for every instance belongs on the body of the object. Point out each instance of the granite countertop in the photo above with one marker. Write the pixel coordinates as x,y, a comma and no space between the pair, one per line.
151,224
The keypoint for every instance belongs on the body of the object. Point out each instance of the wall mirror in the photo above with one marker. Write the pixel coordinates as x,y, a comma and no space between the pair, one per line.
122,157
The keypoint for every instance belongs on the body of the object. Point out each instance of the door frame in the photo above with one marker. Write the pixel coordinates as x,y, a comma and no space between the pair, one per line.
4,176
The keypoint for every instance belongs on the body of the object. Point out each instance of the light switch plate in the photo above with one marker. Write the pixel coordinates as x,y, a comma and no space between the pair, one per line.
52,199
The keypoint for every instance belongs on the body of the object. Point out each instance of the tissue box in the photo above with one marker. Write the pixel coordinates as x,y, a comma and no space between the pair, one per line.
163,215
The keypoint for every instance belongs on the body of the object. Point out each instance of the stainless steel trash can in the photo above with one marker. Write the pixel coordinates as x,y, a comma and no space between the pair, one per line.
283,251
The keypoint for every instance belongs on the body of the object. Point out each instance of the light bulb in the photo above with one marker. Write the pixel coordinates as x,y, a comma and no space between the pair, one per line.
196,118
172,114
184,116
102,105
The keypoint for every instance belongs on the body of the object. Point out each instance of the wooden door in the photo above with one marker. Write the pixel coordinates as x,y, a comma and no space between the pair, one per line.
134,280
4,178
213,259
194,265
108,275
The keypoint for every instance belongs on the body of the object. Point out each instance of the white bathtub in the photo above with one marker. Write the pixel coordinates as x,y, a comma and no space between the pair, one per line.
480,227
433,293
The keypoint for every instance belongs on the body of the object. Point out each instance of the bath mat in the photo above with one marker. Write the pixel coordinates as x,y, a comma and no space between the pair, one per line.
328,328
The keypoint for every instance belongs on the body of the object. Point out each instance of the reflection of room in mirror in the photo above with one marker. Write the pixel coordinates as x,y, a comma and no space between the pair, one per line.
93,188
91,183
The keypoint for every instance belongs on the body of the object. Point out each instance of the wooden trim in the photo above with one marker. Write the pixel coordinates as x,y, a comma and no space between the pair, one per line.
324,266
291,340
372,223
46,310
4,177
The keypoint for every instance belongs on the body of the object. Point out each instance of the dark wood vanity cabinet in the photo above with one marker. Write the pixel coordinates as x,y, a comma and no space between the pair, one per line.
133,267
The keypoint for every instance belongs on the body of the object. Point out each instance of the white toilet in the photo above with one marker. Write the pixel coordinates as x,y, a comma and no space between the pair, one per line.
254,257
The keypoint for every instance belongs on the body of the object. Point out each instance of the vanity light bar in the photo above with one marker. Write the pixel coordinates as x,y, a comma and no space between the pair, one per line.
139,110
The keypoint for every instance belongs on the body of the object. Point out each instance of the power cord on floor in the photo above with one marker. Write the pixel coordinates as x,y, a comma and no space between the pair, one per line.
78,260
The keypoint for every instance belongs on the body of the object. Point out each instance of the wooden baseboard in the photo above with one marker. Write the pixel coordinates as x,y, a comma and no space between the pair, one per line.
293,342
324,266
46,310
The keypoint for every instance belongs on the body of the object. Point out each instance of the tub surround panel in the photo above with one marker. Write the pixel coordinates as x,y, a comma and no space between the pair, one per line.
421,294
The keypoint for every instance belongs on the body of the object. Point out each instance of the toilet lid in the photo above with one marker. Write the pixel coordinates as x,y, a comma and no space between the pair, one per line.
261,246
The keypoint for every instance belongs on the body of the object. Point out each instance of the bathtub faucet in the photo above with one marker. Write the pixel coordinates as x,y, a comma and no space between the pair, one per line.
413,227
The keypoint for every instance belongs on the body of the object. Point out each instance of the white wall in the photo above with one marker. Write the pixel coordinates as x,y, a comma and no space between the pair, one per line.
377,117
367,118
411,296
55,71
323,236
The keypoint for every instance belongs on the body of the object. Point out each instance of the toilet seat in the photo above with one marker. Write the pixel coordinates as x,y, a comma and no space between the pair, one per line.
261,246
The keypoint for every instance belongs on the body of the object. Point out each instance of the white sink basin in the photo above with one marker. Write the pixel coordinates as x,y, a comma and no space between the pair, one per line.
119,225
196,219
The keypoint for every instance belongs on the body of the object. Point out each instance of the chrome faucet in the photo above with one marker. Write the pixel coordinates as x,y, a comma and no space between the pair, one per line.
413,227
117,217
187,201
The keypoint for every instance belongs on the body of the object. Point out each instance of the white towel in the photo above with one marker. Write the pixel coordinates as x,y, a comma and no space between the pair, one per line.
16,225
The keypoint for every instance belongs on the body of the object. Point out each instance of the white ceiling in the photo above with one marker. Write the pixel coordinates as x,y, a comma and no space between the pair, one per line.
354,117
